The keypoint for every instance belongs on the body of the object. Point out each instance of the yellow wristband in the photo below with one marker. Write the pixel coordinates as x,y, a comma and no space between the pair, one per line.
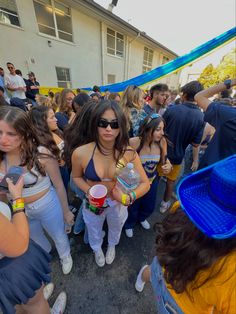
18,206
123,199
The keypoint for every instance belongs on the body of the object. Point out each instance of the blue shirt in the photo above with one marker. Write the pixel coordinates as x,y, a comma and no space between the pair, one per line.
62,120
2,83
223,144
184,126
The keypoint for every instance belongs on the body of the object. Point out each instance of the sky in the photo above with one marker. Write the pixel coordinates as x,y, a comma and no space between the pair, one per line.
180,25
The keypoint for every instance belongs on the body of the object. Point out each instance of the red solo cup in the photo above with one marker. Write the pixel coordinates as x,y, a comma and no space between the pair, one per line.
98,194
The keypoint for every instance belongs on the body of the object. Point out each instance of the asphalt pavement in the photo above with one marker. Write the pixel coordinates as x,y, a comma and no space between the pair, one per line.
110,289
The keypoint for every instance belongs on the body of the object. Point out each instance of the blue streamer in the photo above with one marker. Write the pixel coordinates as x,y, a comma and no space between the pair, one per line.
171,66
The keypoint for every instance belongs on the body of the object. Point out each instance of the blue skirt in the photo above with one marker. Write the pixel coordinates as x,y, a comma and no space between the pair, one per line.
21,276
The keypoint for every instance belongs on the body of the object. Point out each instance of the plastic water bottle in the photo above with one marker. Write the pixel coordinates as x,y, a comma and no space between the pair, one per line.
129,179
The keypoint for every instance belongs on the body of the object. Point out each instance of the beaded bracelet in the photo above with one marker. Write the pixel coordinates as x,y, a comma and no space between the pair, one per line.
134,196
18,211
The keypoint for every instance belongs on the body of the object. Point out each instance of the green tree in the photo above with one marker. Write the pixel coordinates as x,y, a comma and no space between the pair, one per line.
226,69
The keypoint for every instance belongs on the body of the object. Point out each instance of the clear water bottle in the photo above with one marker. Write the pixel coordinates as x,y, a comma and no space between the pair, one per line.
128,179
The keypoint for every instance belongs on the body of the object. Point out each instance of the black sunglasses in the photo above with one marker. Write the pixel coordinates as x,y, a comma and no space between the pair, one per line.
102,123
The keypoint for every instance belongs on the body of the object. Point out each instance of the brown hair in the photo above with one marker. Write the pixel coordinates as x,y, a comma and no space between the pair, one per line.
183,251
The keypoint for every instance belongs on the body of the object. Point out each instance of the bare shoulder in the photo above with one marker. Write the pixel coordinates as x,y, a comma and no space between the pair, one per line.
130,154
134,142
84,151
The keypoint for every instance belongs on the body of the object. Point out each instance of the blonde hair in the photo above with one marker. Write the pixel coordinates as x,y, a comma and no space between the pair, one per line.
43,100
63,106
131,99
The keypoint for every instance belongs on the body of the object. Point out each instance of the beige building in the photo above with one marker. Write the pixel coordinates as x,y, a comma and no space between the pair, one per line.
76,43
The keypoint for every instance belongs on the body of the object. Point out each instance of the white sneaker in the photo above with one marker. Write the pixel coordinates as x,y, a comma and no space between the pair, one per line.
67,264
139,284
145,224
129,233
48,290
60,304
164,206
110,255
99,258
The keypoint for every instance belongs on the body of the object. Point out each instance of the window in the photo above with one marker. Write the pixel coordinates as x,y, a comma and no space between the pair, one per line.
115,43
8,12
165,60
54,19
63,77
111,78
147,59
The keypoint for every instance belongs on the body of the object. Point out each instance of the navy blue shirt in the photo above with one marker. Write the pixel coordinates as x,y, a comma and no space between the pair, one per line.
184,126
62,120
223,144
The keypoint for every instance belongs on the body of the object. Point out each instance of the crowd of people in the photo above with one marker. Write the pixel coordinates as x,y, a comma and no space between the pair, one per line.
61,142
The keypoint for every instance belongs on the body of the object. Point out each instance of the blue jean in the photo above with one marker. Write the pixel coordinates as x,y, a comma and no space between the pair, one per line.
143,207
46,213
164,300
79,225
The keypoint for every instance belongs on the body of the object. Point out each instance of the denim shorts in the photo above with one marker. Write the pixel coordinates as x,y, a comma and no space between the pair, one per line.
164,300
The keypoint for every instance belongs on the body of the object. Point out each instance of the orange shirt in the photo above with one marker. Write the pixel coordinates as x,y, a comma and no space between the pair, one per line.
218,295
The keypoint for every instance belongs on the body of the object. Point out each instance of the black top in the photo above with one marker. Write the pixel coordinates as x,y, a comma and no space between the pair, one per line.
31,93
223,144
184,126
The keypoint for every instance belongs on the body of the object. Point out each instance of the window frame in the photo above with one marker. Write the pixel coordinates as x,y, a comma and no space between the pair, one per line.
109,76
165,60
55,28
16,15
64,81
115,40
146,61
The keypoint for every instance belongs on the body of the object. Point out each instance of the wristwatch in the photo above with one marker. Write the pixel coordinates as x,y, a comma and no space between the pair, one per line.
228,83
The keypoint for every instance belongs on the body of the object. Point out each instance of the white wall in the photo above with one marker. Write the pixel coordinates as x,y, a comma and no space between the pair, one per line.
86,57
83,57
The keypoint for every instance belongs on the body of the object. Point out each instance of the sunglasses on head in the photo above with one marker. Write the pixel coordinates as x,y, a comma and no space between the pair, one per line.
153,116
102,123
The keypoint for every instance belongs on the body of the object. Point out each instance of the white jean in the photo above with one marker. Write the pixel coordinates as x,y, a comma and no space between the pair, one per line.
47,214
116,215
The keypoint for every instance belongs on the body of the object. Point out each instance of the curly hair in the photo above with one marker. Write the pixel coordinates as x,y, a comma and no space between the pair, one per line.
183,250
38,116
20,121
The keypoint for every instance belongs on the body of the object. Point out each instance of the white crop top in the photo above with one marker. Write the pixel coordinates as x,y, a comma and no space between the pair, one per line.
37,185
33,184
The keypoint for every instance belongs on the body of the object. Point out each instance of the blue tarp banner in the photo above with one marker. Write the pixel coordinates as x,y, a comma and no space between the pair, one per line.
173,65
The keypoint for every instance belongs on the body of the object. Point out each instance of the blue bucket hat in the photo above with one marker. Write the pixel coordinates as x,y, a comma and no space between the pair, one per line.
208,198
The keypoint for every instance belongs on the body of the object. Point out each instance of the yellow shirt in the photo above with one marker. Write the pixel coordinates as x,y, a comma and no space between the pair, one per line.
218,295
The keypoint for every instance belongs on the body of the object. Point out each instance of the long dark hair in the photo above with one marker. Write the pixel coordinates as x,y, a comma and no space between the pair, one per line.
78,133
147,129
20,121
122,140
38,116
183,250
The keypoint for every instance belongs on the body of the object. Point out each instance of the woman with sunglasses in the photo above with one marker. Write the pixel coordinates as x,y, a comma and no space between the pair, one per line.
44,193
132,102
98,162
152,149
